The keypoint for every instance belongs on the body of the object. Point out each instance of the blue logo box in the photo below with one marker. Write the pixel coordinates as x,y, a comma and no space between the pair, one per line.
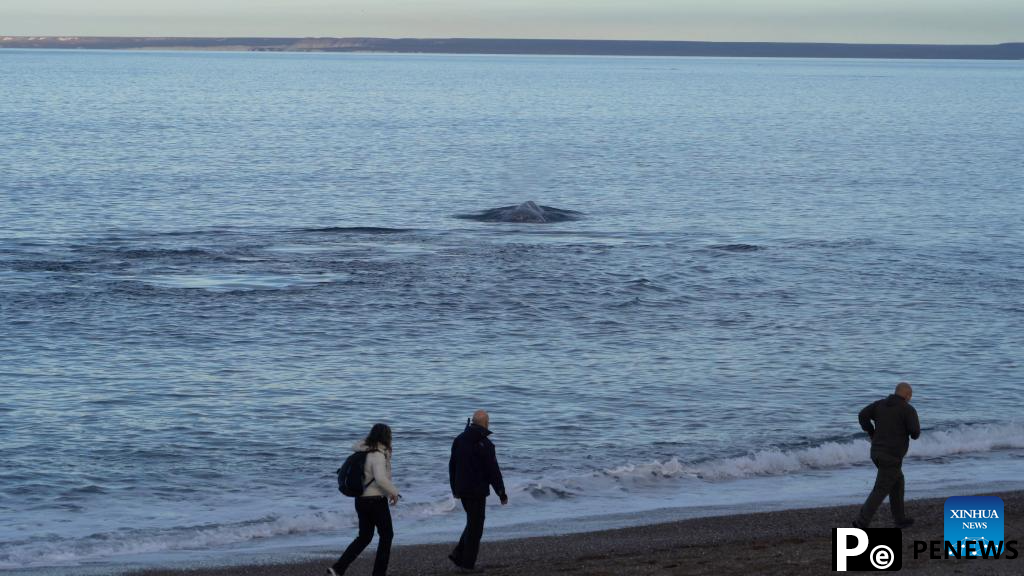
974,518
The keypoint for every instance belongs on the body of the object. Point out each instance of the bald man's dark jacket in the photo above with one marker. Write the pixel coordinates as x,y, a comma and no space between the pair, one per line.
891,422
473,466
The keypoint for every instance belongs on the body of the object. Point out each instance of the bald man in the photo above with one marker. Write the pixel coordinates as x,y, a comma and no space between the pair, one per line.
473,470
891,423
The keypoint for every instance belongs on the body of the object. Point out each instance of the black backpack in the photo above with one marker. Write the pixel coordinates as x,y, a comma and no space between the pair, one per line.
350,475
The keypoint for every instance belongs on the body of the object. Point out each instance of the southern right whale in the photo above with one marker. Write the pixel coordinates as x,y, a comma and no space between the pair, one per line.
528,212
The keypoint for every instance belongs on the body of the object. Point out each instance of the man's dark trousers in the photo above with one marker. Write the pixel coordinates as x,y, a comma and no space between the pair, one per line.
889,482
469,545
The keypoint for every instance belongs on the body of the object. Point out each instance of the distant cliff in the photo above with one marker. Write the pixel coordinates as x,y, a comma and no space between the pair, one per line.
1010,51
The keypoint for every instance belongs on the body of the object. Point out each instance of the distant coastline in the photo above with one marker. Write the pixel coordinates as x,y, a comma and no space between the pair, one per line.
1007,51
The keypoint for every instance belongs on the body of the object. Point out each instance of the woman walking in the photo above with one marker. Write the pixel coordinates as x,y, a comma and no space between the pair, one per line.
372,506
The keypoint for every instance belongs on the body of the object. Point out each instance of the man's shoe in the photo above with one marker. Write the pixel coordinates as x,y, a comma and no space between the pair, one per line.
464,570
332,572
454,561
905,523
857,524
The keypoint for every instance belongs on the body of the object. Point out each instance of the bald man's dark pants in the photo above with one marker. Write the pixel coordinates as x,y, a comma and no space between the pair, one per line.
469,545
889,482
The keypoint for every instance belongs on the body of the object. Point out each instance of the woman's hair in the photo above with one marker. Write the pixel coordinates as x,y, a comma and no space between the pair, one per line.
379,437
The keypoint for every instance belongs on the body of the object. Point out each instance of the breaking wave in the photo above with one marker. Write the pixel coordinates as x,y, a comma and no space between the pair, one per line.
55,551
772,462
43,551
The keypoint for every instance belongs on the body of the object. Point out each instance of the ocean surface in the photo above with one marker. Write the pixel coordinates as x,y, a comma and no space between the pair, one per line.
218,270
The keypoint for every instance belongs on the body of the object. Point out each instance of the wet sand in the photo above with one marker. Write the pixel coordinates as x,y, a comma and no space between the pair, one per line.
787,542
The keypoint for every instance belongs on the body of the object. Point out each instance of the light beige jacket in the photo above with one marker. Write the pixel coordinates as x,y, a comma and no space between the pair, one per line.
377,469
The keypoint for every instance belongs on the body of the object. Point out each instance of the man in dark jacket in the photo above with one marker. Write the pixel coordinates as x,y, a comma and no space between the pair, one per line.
472,470
891,423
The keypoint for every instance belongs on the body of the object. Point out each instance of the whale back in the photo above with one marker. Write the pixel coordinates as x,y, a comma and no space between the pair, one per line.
528,212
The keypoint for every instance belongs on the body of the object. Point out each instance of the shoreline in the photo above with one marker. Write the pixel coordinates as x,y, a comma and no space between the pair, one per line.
796,541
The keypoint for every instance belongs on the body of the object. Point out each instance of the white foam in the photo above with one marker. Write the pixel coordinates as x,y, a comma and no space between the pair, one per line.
56,551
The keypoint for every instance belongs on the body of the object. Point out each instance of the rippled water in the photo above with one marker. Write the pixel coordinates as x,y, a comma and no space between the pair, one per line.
218,270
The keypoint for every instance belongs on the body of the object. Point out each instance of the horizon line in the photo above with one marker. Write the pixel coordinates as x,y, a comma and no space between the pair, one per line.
5,37
1011,51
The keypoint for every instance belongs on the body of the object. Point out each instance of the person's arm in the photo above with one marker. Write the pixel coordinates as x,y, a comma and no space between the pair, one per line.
451,470
379,466
865,419
913,424
494,474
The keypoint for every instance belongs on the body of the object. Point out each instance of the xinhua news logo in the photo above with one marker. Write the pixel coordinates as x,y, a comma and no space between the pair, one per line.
974,524
973,528
874,549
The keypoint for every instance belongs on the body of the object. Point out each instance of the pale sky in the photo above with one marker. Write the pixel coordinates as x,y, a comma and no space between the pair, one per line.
895,21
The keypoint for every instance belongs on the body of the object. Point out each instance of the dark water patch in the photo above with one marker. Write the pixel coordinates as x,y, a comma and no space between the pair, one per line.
644,284
24,243
802,442
183,395
30,490
357,230
737,247
631,303
13,476
191,254
86,490
53,265
200,232
111,402
164,252
116,237
157,454
206,474
837,243
132,287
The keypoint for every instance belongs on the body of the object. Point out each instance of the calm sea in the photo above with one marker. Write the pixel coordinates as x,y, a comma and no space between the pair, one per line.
217,270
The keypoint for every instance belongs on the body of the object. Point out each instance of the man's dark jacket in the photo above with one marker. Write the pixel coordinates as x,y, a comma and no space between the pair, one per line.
474,465
895,422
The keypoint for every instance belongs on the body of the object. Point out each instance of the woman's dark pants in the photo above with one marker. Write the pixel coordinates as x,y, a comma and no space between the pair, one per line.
373,513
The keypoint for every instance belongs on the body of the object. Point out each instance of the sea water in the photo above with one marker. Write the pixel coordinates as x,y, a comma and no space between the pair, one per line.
218,270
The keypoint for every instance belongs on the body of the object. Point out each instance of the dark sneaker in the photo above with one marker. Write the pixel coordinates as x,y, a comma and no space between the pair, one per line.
332,572
905,523
857,524
454,561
